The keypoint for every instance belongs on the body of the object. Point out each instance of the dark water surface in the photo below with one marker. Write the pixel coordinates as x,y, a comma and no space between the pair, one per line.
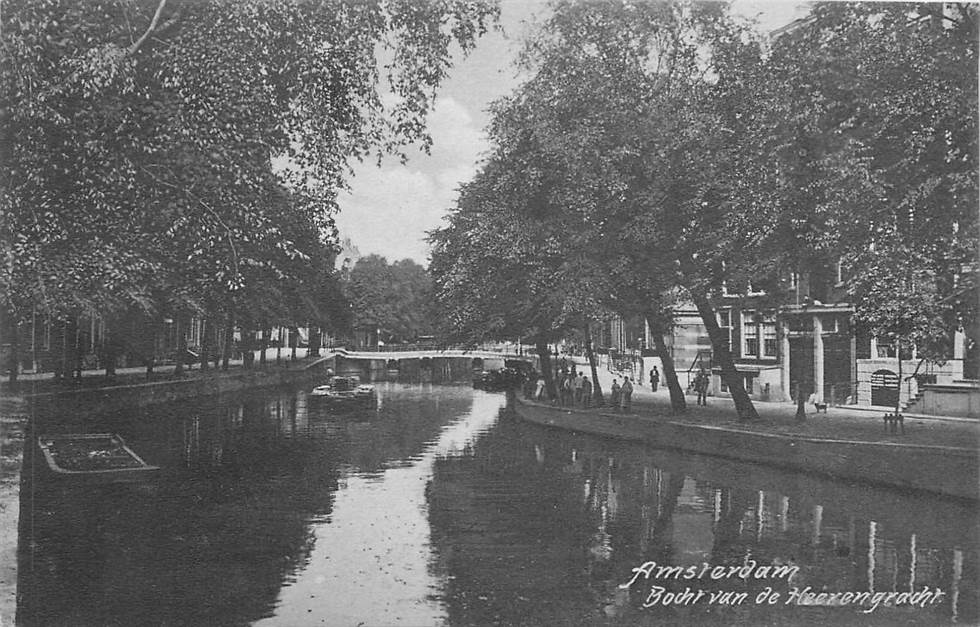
444,508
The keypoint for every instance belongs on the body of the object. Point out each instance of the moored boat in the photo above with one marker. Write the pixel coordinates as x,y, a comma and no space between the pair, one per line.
497,380
346,391
92,458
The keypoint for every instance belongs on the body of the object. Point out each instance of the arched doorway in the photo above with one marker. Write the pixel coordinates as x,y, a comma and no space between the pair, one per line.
884,388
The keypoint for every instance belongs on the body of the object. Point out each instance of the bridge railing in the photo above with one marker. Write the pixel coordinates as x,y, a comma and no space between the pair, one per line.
397,348
430,346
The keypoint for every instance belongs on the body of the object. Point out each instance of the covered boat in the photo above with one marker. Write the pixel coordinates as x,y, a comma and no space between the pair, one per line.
346,391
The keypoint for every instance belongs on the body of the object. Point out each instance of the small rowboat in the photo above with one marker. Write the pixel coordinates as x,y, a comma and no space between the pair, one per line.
93,458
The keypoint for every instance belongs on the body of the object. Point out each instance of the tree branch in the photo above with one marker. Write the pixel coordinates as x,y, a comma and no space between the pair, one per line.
208,208
153,25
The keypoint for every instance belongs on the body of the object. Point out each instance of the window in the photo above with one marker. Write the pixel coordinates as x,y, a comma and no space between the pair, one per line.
770,343
750,336
794,280
885,350
725,324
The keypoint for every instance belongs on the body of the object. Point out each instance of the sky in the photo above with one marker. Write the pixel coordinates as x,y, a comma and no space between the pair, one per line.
389,209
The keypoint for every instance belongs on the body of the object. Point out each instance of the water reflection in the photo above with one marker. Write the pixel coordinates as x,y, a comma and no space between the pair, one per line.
443,508
246,480
607,508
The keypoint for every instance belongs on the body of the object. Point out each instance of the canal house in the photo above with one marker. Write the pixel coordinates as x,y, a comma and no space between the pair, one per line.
797,336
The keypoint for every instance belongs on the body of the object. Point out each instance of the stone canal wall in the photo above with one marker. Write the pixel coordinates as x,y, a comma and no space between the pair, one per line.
938,469
143,394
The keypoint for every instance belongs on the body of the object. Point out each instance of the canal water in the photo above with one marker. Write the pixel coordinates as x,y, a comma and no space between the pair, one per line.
442,507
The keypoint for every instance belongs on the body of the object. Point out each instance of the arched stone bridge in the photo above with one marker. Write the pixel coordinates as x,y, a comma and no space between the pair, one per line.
435,366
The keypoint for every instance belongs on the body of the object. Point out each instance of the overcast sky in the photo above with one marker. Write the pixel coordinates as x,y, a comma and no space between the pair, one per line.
389,209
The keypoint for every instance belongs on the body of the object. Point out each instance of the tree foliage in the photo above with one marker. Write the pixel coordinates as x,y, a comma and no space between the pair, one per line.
393,300
197,147
879,110
657,147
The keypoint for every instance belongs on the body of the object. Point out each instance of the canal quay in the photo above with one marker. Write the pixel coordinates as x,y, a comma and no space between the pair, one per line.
442,506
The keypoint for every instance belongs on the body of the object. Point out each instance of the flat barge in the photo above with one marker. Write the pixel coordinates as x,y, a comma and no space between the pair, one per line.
92,459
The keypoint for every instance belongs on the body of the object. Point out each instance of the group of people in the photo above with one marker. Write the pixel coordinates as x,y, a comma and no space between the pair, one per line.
621,396
574,388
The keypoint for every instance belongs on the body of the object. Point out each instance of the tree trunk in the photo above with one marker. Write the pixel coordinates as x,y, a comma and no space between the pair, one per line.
248,354
590,355
229,338
279,348
293,342
898,392
264,345
74,341
544,356
315,342
149,348
800,407
205,344
181,345
218,343
14,350
61,362
109,350
743,404
677,402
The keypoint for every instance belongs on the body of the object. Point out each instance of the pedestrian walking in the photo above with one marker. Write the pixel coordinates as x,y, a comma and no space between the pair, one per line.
586,392
540,392
654,379
626,395
614,395
701,387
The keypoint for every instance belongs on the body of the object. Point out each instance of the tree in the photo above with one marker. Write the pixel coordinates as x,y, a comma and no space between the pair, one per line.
496,263
140,138
879,103
627,93
391,300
